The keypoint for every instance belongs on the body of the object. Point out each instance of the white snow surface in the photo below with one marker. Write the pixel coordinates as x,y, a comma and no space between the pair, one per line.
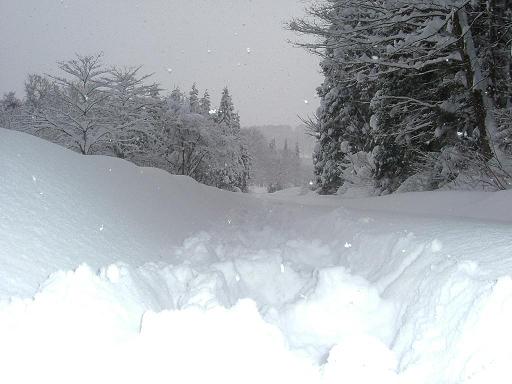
111,273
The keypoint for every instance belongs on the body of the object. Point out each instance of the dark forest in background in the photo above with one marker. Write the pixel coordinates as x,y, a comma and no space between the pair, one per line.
417,94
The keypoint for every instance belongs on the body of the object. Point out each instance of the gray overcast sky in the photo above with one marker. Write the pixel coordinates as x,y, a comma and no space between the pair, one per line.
205,41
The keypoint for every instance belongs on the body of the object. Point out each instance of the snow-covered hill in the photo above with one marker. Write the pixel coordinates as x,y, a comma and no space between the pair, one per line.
111,273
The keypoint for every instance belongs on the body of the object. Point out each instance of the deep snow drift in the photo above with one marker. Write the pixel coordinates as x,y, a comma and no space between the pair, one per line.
111,273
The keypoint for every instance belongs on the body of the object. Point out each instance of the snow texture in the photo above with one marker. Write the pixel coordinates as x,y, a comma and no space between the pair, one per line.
111,273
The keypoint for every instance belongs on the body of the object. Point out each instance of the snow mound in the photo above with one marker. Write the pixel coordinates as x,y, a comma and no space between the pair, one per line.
113,323
113,273
59,209
85,327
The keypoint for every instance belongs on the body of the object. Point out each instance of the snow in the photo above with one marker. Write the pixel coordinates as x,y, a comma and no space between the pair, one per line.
113,273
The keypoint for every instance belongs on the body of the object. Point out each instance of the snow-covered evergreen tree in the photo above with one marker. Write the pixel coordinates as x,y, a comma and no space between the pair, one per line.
226,114
425,68
194,100
235,173
205,104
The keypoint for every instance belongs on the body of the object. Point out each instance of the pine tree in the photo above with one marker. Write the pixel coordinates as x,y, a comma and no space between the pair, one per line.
226,115
176,101
205,104
427,73
237,160
194,100
341,130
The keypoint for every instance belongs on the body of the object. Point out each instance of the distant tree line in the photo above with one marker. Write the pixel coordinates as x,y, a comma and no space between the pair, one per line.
94,109
272,167
416,96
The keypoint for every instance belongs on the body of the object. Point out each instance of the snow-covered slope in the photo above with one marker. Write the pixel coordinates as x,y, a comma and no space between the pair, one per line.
112,273
59,208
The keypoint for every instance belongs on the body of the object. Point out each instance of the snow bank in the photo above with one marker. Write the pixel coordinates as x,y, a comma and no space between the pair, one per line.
59,209
113,273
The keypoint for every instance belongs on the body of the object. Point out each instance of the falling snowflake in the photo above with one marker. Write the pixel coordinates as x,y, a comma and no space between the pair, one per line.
248,50
169,70
348,245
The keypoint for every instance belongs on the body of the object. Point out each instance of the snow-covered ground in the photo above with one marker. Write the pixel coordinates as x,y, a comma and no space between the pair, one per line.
111,273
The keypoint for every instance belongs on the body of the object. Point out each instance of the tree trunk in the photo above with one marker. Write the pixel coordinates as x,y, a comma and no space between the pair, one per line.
483,103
